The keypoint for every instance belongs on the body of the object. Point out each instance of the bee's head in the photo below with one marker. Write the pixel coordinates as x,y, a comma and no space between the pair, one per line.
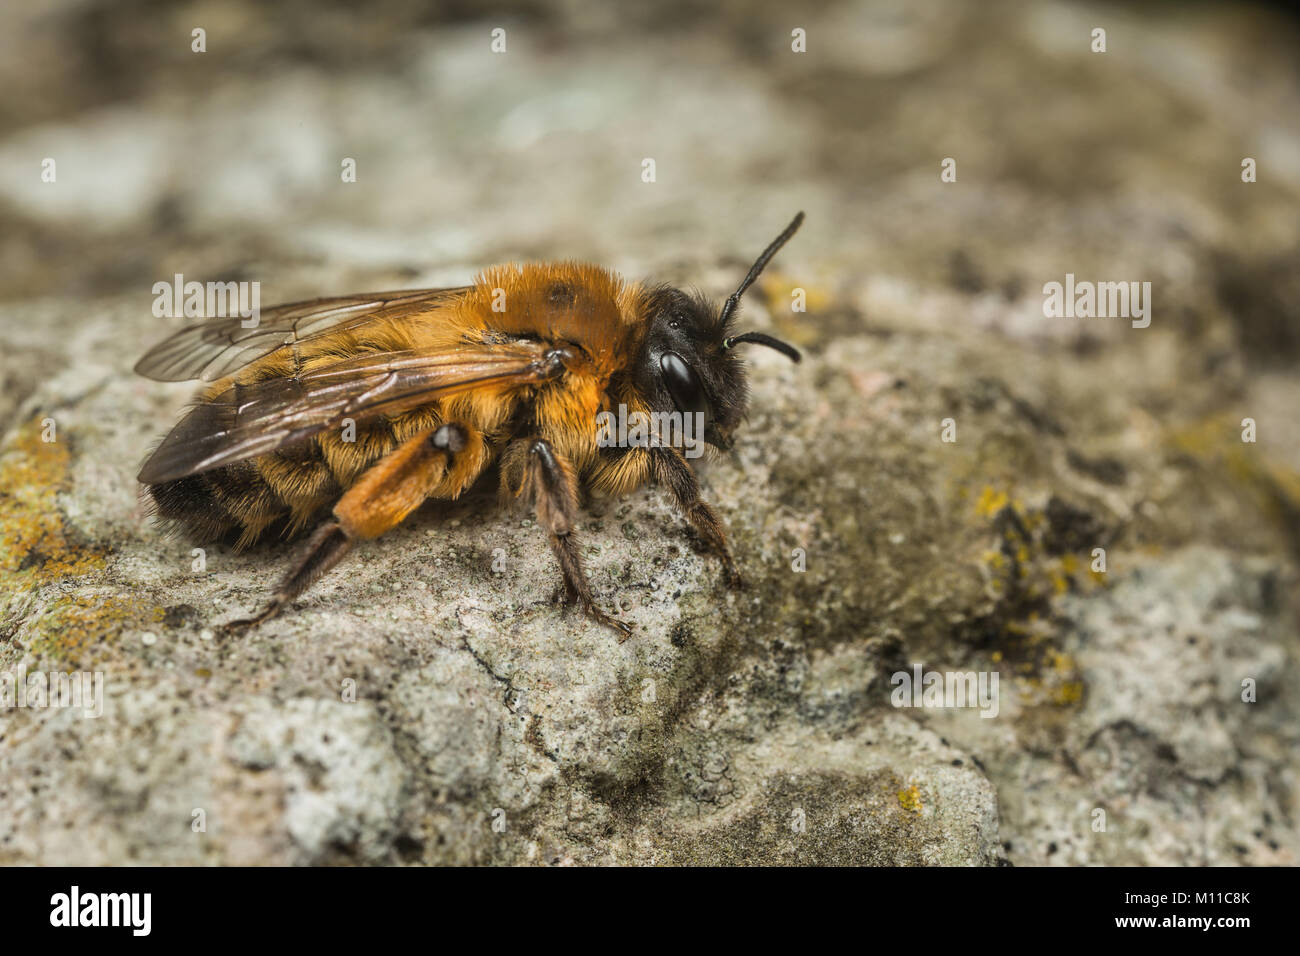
690,363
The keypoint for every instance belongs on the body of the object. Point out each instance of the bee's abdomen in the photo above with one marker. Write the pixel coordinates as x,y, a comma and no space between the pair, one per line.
189,506
215,505
246,502
282,493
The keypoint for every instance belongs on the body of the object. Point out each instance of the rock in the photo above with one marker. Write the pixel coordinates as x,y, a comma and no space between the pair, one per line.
420,705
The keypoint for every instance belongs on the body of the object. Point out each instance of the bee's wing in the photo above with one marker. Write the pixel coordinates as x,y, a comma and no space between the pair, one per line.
215,348
249,420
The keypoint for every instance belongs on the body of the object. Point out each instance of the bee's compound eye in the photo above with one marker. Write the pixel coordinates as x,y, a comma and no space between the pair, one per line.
683,384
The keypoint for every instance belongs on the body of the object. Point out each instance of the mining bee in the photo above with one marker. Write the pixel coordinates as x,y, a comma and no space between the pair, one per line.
437,385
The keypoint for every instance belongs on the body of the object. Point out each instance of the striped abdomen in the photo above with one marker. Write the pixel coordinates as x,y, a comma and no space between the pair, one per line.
275,495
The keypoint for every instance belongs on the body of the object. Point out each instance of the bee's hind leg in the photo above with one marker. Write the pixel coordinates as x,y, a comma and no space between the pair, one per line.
327,546
553,488
389,491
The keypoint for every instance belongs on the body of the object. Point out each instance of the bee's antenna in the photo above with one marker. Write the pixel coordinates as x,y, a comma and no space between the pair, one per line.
734,299
760,338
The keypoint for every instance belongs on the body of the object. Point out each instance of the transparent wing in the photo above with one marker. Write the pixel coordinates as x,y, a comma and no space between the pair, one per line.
249,420
215,348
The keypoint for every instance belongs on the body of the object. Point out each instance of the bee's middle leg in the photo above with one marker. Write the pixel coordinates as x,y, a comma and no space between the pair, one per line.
551,484
383,496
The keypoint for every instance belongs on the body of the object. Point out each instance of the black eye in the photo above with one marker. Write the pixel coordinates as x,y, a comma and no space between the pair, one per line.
683,384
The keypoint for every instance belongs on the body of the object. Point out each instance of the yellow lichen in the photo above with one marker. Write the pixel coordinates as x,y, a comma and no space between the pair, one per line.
909,798
990,502
778,293
1067,694
72,626
34,546
1216,443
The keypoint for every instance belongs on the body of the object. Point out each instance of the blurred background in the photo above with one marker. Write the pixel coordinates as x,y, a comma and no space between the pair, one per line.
924,302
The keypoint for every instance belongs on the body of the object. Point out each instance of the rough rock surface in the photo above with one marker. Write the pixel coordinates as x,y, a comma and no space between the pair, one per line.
419,706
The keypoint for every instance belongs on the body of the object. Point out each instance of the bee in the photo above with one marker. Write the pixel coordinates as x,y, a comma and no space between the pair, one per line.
346,414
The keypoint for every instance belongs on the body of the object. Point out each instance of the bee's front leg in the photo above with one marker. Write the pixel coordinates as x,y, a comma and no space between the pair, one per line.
671,469
380,500
552,486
